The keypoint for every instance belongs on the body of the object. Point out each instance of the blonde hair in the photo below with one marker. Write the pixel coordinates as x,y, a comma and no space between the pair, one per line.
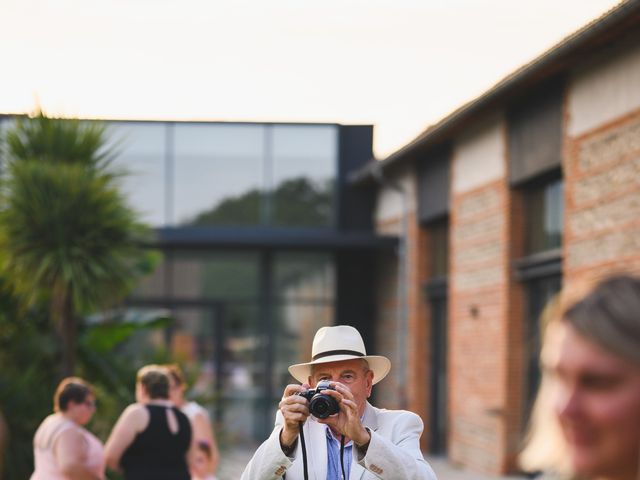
176,373
545,448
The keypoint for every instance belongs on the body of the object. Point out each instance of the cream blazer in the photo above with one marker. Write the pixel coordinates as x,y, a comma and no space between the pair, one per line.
393,453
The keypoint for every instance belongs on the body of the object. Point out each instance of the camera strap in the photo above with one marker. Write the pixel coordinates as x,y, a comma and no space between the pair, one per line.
304,454
344,477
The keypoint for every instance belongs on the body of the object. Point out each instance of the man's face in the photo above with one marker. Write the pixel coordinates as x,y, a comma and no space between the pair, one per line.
596,397
355,374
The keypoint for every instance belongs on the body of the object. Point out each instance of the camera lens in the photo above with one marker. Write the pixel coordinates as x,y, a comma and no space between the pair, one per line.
323,406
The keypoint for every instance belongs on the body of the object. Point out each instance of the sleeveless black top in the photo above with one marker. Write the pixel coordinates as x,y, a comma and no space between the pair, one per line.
156,453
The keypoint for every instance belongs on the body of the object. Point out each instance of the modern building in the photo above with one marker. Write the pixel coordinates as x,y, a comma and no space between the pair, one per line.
263,241
532,185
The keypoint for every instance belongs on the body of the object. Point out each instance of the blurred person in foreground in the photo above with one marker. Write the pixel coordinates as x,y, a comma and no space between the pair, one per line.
207,452
378,443
62,448
586,420
152,439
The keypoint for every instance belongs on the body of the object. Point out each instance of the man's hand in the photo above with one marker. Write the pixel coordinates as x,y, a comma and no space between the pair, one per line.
347,421
295,410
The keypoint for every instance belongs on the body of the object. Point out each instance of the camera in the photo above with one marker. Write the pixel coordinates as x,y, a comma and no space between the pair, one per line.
321,405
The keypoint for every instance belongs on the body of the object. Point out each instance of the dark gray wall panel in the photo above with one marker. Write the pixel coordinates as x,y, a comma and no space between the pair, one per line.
355,203
535,133
434,174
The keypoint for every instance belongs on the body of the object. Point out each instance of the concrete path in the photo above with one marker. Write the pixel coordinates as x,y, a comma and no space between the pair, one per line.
446,471
232,464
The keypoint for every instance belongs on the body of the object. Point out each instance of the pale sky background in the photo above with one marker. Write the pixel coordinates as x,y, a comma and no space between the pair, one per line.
398,64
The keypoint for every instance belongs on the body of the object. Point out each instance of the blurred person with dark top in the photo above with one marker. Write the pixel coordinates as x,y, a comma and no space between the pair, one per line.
200,422
152,439
367,442
62,448
586,420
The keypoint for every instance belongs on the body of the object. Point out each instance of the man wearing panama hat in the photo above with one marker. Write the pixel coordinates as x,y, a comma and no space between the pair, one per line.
377,443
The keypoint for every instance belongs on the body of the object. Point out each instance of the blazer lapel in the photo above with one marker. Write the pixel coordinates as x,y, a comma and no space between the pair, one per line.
316,449
370,420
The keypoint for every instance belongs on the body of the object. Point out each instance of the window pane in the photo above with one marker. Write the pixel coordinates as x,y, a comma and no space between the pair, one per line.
244,376
544,208
218,174
439,246
142,154
215,276
554,212
153,285
296,324
304,276
304,170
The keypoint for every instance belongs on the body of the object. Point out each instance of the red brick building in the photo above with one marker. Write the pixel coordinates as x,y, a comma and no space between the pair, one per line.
534,184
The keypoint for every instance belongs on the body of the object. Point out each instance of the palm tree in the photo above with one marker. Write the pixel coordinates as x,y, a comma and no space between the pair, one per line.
67,236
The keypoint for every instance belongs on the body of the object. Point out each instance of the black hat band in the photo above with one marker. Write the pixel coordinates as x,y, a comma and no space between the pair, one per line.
330,353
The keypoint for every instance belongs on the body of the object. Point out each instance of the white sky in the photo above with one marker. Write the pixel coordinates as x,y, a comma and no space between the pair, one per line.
398,64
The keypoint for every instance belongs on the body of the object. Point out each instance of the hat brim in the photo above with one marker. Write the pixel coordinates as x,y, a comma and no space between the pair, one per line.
378,364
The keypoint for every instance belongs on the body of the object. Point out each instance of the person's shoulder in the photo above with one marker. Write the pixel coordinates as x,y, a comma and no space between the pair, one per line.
52,419
135,409
135,416
391,415
135,412
53,425
193,409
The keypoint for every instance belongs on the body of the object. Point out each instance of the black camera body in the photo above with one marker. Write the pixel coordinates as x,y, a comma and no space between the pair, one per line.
321,405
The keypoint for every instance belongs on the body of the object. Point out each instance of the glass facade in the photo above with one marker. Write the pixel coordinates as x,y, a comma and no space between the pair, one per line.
239,316
304,291
303,173
218,174
141,151
217,166
240,319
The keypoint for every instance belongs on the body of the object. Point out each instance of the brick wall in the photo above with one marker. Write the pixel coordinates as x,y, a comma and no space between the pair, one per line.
478,317
602,223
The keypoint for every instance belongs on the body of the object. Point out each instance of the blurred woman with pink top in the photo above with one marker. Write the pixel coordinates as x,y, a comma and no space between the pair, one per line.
63,449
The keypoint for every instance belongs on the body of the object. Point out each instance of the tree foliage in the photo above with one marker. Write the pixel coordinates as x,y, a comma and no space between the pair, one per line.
67,235
295,202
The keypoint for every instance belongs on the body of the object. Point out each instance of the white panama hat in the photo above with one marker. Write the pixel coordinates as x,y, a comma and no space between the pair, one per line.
335,344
